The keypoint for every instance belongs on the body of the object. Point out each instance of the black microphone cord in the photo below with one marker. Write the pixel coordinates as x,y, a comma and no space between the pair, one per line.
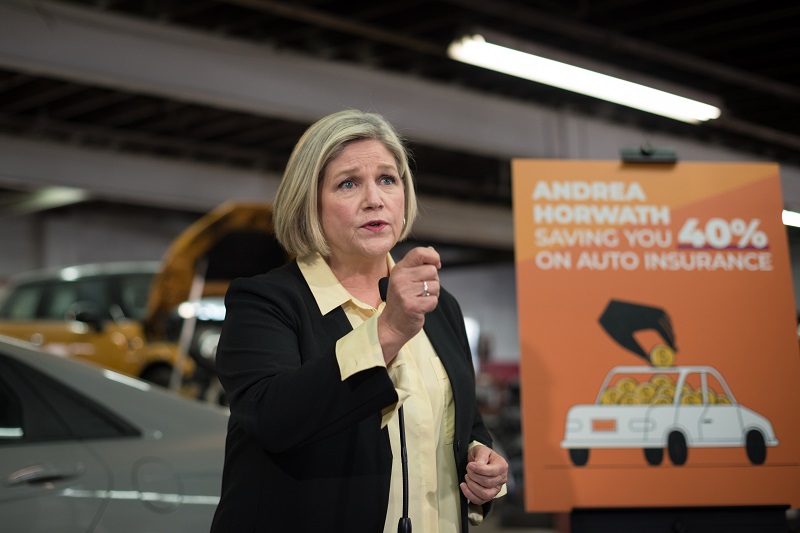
404,525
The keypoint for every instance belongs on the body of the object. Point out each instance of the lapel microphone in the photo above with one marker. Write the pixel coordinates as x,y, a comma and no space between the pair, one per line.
404,525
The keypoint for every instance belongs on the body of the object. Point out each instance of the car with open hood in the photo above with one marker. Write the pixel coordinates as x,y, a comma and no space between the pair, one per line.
155,320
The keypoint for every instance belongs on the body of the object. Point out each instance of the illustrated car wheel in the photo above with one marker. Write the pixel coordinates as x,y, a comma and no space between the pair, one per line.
654,456
579,456
756,447
676,447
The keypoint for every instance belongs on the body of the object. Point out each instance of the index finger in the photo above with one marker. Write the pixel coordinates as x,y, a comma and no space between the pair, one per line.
422,255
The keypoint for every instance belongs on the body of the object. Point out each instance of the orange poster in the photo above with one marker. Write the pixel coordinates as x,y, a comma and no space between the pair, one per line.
658,334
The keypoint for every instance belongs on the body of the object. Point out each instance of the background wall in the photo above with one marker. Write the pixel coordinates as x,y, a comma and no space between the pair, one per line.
488,294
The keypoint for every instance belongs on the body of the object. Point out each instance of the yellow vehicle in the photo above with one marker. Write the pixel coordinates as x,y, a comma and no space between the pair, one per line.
131,316
92,312
234,240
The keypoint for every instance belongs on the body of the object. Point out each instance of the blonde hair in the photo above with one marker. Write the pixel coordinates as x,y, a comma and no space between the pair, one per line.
295,211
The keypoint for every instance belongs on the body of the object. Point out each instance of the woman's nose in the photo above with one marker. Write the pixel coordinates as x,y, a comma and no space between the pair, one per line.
372,196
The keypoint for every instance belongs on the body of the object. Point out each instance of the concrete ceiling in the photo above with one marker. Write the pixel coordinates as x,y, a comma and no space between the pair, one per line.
186,104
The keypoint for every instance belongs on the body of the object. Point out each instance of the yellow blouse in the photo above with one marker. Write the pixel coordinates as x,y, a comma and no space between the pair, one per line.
423,390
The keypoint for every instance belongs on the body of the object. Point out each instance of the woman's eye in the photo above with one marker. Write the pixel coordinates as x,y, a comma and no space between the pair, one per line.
347,184
388,180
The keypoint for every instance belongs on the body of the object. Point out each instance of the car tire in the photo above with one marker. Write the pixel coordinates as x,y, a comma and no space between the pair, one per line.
160,375
756,447
676,447
654,456
579,456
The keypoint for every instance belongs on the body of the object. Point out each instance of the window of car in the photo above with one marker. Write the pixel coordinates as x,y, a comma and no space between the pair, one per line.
22,303
112,295
64,299
134,291
60,296
716,392
10,414
35,407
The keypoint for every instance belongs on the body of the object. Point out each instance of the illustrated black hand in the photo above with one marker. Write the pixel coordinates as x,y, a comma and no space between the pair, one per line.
622,319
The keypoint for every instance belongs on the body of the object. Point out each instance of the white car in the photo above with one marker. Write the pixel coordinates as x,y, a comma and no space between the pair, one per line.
84,448
674,408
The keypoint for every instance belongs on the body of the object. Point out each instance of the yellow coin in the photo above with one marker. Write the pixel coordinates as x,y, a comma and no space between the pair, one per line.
630,398
692,399
662,355
723,400
660,379
645,391
666,390
626,385
712,396
610,396
661,399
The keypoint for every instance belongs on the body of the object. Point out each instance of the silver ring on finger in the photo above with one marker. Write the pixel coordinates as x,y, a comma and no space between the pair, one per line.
425,291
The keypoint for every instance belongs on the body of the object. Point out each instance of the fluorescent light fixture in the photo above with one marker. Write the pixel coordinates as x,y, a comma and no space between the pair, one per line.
45,198
474,49
791,218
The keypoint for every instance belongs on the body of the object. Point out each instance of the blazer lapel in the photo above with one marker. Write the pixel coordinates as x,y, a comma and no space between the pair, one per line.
456,362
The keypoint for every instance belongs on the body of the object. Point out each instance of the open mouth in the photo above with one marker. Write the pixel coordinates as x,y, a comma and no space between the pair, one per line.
374,224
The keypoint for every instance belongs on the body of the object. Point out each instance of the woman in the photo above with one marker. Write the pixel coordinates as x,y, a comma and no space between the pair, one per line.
316,365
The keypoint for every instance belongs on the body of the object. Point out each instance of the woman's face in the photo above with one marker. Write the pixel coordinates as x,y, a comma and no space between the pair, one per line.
362,202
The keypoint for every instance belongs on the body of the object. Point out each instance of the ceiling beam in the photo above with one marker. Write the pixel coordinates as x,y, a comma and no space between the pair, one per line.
68,42
146,58
30,165
60,40
341,24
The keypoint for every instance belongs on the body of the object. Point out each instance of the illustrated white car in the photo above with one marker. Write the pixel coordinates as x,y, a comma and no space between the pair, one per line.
83,448
674,408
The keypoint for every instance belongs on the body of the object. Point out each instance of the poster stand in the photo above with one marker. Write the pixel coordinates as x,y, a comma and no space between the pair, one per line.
695,251
766,519
755,519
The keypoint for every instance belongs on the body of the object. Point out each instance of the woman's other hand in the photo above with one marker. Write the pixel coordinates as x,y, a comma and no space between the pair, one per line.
487,472
413,291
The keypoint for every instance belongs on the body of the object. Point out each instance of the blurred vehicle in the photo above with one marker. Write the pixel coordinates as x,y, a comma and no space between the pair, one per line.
92,312
157,320
674,408
205,319
88,449
186,304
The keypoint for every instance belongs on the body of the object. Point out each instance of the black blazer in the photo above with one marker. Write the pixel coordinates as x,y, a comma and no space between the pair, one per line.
305,452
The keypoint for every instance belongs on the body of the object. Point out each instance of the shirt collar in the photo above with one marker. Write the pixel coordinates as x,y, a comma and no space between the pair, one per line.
328,292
